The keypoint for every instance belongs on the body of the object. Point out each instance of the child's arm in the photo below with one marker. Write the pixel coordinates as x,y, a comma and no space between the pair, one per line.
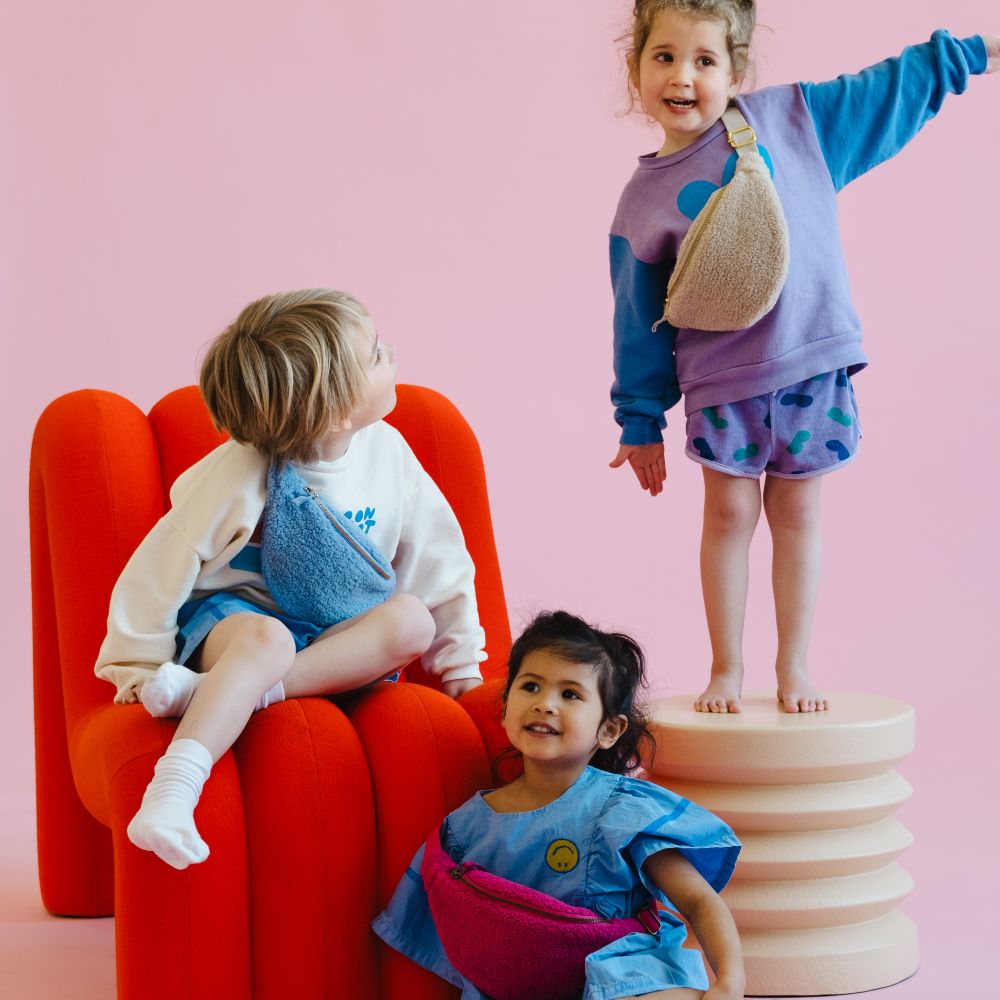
645,383
432,563
215,506
865,118
708,916
992,43
142,616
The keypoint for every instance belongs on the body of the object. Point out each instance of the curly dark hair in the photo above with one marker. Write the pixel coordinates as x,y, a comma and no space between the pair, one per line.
621,672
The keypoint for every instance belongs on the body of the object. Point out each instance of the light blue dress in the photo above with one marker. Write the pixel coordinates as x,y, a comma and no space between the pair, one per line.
586,848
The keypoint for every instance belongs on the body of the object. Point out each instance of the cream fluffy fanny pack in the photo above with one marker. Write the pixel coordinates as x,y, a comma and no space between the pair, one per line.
733,261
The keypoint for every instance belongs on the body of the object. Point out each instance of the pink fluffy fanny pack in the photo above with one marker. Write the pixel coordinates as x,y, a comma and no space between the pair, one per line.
513,942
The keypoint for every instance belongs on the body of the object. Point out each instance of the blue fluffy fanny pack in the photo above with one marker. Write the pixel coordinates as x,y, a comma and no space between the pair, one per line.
318,565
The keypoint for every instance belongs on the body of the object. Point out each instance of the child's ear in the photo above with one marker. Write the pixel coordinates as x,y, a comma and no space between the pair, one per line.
610,731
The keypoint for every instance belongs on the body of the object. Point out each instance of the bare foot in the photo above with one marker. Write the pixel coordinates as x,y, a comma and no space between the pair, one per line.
796,693
723,692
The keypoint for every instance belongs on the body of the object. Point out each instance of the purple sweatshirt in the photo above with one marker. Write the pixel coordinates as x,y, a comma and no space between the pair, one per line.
815,138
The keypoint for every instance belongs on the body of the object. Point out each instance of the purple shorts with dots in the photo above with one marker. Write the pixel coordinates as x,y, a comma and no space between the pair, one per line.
803,430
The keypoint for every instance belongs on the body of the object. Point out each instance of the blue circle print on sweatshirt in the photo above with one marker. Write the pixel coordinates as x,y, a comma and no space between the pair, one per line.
694,197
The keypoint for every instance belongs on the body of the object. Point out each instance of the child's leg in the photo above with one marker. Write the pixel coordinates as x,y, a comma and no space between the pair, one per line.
167,694
793,513
401,627
732,509
362,649
242,658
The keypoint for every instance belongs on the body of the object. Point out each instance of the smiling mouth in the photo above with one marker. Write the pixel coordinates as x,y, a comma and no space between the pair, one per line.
541,729
676,102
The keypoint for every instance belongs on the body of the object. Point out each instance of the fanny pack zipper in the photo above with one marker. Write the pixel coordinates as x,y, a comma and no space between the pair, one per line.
703,219
460,872
345,534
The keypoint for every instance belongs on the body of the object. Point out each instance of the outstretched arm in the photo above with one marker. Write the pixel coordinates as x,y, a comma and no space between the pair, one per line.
708,916
863,119
992,52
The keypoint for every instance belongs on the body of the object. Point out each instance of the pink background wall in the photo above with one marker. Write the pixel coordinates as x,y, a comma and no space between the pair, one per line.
457,165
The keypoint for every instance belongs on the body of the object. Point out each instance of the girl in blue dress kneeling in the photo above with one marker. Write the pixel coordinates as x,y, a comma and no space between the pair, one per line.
594,847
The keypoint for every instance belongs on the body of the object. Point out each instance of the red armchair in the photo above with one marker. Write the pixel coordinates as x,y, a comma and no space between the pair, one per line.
316,811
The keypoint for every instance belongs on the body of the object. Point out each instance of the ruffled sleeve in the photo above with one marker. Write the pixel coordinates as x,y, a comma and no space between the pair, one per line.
642,819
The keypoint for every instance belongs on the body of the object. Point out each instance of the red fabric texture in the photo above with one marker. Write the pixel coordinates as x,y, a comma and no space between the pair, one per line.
545,941
309,815
415,785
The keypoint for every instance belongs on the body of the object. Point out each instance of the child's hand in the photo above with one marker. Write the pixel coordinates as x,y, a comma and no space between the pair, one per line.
647,463
458,687
992,52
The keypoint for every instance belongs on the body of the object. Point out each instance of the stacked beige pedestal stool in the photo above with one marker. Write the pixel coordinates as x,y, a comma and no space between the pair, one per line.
812,799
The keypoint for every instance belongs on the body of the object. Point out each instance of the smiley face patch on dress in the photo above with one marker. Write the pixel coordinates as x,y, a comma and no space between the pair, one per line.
562,856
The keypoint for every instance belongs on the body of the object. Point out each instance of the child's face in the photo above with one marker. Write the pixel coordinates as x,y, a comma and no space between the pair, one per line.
554,713
685,77
378,360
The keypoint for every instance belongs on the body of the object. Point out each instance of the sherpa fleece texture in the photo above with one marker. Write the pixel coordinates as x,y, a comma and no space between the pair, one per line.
317,571
734,258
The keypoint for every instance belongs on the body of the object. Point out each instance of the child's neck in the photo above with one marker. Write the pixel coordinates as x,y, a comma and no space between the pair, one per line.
537,787
335,445
673,144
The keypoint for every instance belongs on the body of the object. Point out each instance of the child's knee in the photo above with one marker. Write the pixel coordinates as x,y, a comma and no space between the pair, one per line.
793,509
732,514
264,645
410,628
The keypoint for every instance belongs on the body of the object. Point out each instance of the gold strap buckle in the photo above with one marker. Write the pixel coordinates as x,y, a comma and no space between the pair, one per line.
742,142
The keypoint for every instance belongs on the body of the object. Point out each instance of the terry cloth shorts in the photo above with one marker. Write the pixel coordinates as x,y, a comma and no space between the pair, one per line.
803,430
198,617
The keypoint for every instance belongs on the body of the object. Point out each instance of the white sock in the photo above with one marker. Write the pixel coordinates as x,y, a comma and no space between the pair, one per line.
167,693
164,823
272,697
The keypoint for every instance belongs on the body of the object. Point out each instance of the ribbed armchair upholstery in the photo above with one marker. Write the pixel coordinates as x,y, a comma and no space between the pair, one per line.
316,811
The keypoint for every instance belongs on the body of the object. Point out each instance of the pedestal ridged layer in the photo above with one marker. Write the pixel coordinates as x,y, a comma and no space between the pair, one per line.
812,797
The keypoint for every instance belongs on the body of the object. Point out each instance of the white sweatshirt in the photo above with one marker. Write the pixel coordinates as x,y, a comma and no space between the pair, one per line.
215,509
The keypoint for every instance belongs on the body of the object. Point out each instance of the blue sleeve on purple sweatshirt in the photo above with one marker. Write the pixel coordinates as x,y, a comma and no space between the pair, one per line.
861,120
865,118
645,374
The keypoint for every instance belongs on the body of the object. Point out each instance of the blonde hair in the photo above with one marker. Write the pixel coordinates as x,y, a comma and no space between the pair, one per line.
285,371
737,17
